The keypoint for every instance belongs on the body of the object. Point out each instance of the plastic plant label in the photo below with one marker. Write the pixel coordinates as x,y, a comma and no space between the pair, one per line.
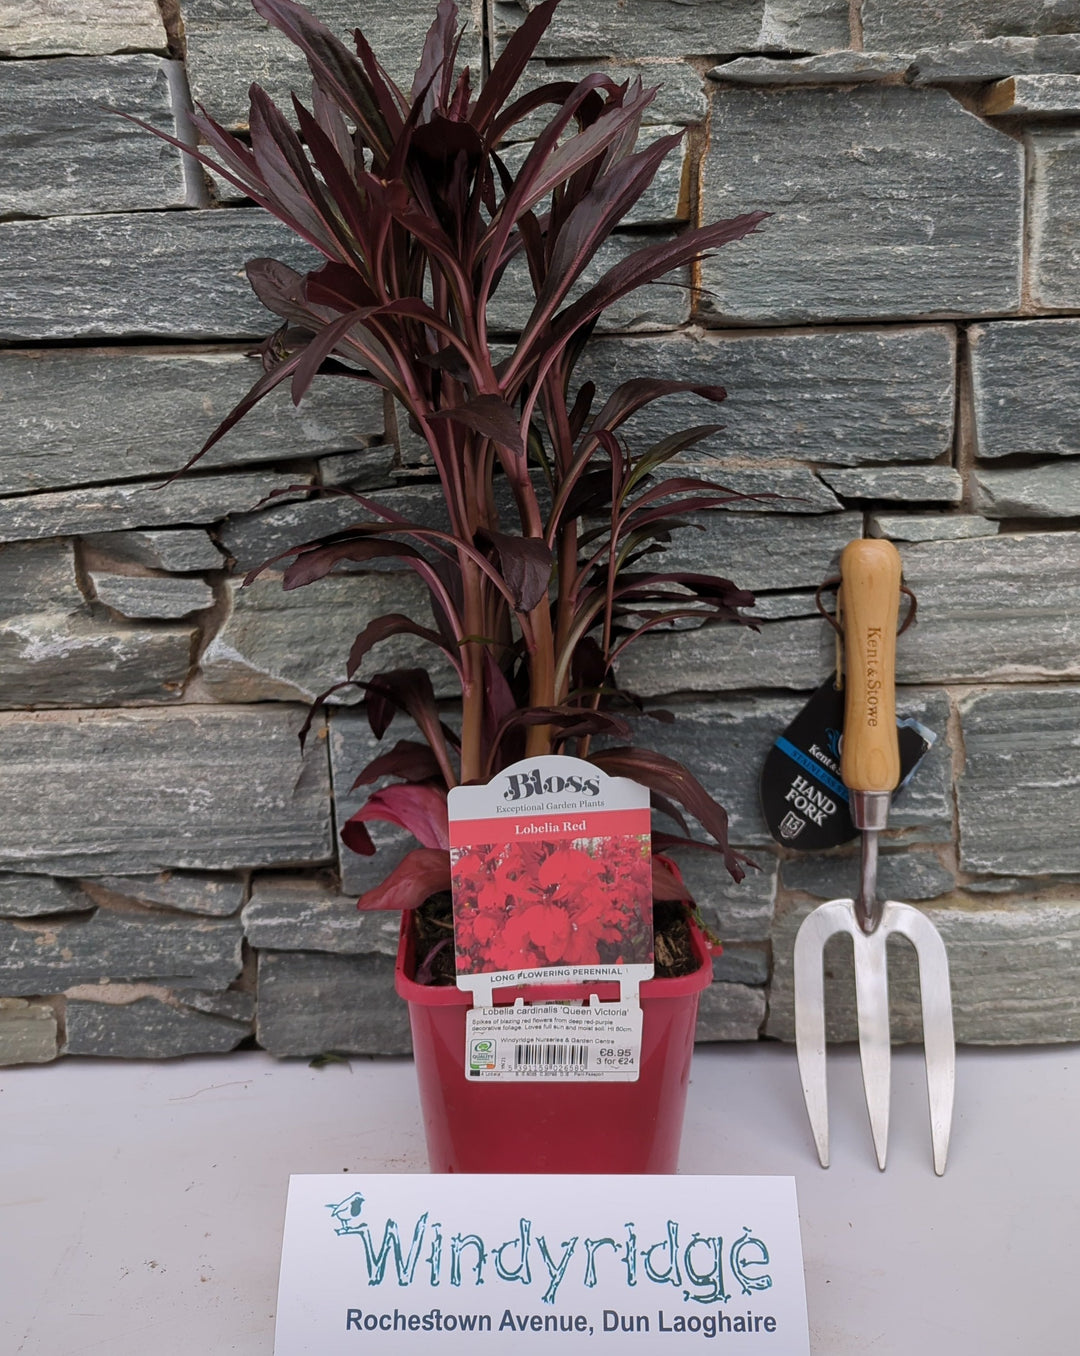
552,877
409,1263
804,802
555,1042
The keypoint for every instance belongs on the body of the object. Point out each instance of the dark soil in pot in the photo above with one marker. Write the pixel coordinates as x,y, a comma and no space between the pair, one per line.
435,941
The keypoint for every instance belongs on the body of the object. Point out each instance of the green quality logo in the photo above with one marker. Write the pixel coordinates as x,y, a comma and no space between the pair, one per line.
482,1054
702,1267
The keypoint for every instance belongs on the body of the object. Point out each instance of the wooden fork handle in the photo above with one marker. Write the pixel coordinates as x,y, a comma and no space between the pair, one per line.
870,602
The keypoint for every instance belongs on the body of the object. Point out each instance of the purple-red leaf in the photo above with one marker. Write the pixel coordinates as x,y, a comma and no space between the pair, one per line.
525,564
314,564
437,54
650,263
334,68
511,64
633,395
408,759
660,773
419,807
407,690
663,806
265,384
381,628
490,416
667,881
419,875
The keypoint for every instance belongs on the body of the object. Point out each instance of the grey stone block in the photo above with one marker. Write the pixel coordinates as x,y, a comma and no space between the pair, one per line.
930,526
301,914
96,161
50,659
182,550
742,964
1032,96
734,913
827,68
86,277
106,508
730,1012
1055,203
150,595
38,957
352,747
1015,885
27,1032
987,59
667,28
776,489
907,484
25,896
839,398
368,468
762,551
891,25
1021,767
1023,375
229,46
1013,971
148,1029
662,305
921,215
1048,491
187,891
238,1005
257,538
284,646
87,416
725,658
1005,608
39,577
131,792
680,97
904,875
311,1004
781,606
41,29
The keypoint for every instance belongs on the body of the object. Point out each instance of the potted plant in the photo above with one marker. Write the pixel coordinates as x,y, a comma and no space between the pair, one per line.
409,199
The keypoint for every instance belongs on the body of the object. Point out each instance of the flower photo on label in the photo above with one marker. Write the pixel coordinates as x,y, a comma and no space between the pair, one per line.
532,903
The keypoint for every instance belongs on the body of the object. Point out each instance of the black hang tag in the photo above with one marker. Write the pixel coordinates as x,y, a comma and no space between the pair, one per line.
804,802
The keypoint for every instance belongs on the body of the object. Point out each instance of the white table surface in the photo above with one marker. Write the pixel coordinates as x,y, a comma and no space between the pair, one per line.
141,1204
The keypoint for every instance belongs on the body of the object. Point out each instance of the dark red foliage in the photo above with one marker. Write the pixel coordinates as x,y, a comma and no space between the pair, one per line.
407,197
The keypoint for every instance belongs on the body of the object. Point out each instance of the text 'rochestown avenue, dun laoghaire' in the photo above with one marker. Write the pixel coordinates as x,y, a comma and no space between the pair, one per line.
394,1263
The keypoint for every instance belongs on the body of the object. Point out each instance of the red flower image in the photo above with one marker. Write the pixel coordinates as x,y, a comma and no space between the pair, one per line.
576,901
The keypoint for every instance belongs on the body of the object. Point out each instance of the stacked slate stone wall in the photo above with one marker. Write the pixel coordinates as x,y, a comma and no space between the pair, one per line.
901,356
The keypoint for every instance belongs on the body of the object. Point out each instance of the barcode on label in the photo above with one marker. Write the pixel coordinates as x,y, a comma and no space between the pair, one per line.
550,1055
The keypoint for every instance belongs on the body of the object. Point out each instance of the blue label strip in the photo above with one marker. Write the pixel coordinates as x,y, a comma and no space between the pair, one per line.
815,769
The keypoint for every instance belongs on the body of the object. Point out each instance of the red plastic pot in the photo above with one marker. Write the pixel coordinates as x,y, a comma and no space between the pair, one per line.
474,1126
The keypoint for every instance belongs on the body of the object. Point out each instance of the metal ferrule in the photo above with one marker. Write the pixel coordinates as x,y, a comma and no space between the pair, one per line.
870,812
870,809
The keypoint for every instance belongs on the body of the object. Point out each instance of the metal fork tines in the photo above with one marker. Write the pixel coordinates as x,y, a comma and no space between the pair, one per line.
872,1005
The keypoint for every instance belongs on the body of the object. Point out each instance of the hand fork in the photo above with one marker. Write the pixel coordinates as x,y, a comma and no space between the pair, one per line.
870,767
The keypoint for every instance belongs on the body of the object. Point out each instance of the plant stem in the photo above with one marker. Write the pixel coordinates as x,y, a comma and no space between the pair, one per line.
472,687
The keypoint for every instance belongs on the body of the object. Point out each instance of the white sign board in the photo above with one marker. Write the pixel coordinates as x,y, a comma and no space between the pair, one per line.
604,1265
